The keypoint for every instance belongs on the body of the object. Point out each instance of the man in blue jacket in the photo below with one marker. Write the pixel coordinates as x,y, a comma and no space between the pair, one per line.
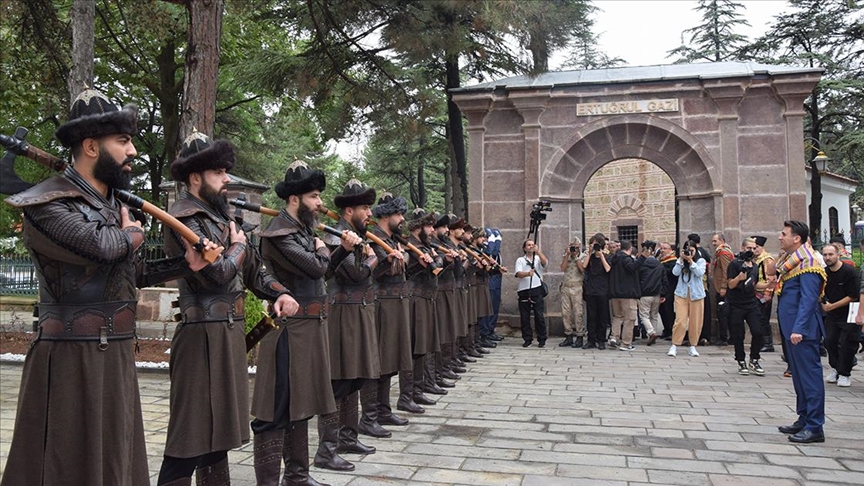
801,284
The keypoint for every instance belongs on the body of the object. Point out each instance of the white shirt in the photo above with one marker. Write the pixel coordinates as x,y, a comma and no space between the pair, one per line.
531,282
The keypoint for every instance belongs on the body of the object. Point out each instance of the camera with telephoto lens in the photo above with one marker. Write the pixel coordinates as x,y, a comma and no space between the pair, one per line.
746,256
596,247
540,207
572,248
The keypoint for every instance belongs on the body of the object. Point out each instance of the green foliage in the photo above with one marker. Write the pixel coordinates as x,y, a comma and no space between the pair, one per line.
254,309
715,39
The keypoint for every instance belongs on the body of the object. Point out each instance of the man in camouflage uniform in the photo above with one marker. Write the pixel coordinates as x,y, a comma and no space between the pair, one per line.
571,295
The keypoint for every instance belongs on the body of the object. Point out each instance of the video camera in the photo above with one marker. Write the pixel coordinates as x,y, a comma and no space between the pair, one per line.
537,216
746,256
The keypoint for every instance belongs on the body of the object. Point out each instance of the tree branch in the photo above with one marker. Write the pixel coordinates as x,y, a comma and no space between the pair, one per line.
237,103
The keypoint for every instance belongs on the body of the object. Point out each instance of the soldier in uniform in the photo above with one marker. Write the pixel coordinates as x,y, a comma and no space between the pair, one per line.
209,373
447,310
480,294
463,304
393,318
79,412
354,361
469,343
293,379
423,314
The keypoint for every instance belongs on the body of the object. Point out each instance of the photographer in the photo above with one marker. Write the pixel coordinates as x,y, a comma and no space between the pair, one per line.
689,298
596,292
624,295
571,295
529,271
742,275
652,281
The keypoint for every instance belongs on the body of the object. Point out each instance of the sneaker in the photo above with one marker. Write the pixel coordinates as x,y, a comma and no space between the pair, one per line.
613,343
844,381
693,352
673,351
626,348
742,368
832,377
756,368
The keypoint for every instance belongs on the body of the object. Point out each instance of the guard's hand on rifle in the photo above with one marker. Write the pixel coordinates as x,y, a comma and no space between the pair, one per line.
194,257
126,221
237,234
285,306
350,240
370,252
397,255
425,260
319,243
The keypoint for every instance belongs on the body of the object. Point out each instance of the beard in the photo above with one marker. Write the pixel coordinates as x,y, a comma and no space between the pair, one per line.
396,229
307,216
214,198
108,171
424,237
359,224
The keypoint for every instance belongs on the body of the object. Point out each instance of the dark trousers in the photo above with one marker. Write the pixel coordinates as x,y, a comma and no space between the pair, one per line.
667,314
806,366
841,341
737,315
487,323
707,324
174,468
597,307
532,300
765,318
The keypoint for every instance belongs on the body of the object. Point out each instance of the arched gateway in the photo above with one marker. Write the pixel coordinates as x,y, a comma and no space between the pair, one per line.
729,135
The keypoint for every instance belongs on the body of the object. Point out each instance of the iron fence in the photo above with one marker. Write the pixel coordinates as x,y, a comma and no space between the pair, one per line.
17,275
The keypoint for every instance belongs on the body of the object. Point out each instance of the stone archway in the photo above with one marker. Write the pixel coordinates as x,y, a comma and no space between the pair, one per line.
681,155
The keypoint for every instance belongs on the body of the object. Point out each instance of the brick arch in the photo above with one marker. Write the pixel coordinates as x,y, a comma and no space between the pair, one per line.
627,201
670,147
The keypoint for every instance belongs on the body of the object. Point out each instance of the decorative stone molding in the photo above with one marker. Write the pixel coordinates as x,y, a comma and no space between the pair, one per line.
627,201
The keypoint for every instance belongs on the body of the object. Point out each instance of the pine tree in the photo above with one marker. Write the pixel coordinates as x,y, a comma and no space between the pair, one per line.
715,39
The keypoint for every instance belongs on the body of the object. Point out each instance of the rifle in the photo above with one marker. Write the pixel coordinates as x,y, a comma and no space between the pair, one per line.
17,146
272,212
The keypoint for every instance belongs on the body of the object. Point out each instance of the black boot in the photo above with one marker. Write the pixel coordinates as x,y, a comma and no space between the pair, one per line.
442,366
406,401
328,443
578,342
214,474
385,413
369,424
267,447
568,341
349,417
429,378
295,453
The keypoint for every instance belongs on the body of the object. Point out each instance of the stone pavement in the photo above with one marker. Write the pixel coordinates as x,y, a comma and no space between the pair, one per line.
559,416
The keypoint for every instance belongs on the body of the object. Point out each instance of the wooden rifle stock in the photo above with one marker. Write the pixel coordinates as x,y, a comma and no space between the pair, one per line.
272,212
372,237
417,251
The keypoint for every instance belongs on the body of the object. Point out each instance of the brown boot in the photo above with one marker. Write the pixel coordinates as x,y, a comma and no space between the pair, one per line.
295,453
369,423
420,377
349,418
268,456
385,413
430,377
406,401
328,443
214,474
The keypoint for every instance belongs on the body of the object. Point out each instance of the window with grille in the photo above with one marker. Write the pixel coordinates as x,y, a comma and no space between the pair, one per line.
833,221
629,233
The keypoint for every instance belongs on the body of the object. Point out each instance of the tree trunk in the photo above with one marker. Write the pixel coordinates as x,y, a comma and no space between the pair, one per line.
421,185
169,103
82,18
202,67
457,140
539,48
815,208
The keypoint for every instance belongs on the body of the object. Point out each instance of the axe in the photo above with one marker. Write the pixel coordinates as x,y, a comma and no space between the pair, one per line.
12,184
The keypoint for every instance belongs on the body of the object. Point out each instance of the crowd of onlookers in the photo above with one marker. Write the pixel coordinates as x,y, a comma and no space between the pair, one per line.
614,294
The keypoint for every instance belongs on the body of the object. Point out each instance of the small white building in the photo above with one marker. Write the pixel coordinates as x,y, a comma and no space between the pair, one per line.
836,212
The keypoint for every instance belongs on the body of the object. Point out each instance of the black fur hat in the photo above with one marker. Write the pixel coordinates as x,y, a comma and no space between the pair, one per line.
420,218
199,153
300,179
93,116
451,221
388,204
355,193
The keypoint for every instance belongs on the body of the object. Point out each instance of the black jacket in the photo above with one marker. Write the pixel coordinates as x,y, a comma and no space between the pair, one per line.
652,277
624,277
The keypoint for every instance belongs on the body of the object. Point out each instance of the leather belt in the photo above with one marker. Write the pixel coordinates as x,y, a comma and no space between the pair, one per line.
317,309
204,308
364,295
424,293
398,291
103,322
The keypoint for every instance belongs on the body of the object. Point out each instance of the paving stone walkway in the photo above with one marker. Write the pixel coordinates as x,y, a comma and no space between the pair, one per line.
559,416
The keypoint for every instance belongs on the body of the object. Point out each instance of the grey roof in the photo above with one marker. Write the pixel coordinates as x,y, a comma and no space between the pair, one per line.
664,72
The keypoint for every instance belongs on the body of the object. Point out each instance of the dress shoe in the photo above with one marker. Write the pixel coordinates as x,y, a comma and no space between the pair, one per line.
791,429
589,345
601,345
482,350
458,369
488,344
444,384
473,353
578,342
468,359
767,348
541,344
807,436
450,375
651,338
568,341
419,399
495,337
526,344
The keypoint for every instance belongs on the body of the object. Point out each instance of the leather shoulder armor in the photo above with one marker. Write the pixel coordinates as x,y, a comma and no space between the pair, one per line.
56,187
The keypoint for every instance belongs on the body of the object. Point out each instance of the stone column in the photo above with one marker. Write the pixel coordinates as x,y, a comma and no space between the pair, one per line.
475,110
530,106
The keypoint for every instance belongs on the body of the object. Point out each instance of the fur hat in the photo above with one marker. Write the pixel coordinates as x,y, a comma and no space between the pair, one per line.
478,233
760,240
420,218
355,193
300,179
450,221
199,153
93,116
388,204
